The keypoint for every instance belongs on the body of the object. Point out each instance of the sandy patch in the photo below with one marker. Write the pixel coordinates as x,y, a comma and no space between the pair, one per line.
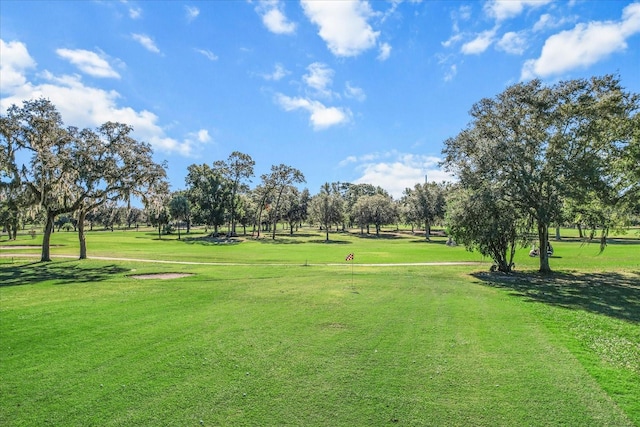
164,276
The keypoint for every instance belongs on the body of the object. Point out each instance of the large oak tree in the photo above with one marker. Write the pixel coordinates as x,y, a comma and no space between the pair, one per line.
536,145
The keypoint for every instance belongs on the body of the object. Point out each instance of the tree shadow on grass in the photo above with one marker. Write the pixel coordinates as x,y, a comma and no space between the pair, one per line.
611,294
331,242
382,236
62,273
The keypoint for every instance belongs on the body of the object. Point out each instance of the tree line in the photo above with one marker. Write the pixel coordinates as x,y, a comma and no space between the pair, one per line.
532,157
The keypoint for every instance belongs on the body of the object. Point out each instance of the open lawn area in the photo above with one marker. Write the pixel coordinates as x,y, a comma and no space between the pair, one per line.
289,333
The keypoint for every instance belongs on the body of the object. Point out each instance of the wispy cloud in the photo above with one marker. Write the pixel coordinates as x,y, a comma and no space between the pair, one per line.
135,12
192,12
207,54
385,52
146,42
354,92
89,62
278,73
319,77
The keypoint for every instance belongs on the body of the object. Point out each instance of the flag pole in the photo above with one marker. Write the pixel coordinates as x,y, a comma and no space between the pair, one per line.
351,257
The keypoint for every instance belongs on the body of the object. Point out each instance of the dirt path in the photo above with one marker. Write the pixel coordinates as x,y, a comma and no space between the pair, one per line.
156,261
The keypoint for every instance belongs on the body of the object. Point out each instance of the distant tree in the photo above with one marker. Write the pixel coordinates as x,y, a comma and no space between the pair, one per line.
353,192
327,208
209,193
236,169
179,209
294,207
135,216
378,210
156,203
246,212
274,185
426,204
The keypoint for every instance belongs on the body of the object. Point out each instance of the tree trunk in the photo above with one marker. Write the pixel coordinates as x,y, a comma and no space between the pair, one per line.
558,233
81,235
178,227
543,239
46,239
580,234
427,230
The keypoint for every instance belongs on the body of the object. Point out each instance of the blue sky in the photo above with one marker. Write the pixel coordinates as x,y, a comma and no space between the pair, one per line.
361,92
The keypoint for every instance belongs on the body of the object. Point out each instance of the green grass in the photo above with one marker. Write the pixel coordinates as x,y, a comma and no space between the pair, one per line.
84,343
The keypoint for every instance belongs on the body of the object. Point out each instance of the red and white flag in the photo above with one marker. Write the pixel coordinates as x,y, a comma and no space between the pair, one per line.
349,257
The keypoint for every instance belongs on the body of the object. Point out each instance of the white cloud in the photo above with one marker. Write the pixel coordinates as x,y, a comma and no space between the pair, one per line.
146,42
192,12
395,171
207,54
513,43
203,135
81,105
321,116
354,92
385,52
584,45
505,9
88,62
479,44
343,25
15,61
273,17
319,77
279,72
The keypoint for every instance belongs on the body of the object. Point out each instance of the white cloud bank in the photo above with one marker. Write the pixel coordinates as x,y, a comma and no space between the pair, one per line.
89,62
395,171
584,45
82,105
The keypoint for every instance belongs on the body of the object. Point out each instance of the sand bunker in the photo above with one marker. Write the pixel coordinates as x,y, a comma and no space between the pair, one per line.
161,276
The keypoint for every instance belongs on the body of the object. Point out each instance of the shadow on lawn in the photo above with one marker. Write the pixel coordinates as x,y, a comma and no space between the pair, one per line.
612,294
63,273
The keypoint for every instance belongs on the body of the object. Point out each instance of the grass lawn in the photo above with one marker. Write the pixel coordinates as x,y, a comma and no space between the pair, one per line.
84,343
